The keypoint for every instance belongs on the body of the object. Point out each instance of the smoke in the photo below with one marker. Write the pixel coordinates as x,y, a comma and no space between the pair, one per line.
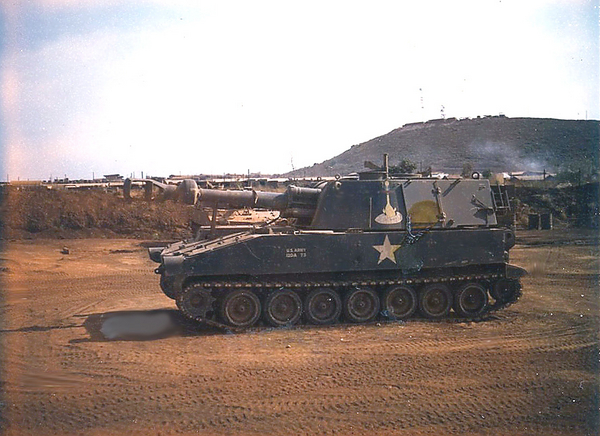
504,156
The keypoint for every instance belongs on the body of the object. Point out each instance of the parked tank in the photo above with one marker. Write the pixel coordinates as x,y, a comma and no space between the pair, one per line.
353,249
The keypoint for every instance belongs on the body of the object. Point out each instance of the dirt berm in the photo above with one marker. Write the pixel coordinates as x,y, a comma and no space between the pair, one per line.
42,213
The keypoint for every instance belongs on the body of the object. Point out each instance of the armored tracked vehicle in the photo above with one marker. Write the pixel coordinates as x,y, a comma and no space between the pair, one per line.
354,249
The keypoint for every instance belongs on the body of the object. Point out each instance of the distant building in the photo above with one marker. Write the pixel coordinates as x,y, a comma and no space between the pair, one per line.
531,176
113,177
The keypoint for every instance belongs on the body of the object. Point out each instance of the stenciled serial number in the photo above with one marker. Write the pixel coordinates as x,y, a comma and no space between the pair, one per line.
295,252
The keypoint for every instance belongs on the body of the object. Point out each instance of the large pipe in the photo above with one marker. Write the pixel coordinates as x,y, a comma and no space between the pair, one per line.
168,191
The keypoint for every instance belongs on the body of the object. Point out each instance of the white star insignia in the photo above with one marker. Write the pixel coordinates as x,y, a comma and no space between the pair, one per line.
386,251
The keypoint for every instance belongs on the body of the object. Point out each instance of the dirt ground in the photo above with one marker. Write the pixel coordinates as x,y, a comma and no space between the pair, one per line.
74,359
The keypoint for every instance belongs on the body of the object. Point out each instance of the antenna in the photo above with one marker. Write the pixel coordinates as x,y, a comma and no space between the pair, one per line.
386,167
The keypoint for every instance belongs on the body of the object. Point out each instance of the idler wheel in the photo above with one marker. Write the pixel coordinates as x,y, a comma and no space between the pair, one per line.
504,290
400,302
323,306
361,305
282,307
240,308
435,301
196,302
471,300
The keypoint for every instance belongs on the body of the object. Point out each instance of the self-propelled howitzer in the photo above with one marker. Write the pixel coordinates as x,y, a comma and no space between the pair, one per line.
354,249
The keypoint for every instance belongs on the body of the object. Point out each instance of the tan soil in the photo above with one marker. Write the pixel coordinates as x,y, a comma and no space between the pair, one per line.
530,370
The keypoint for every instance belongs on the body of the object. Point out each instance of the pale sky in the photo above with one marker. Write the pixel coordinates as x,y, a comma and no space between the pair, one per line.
188,87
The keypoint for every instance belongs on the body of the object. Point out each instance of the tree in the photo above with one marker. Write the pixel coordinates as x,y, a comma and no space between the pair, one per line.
406,166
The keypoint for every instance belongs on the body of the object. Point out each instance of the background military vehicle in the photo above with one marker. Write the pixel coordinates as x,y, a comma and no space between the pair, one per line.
357,248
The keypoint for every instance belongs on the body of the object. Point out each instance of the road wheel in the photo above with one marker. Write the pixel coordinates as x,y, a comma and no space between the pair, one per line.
471,300
399,302
196,302
282,307
240,308
435,301
361,305
323,306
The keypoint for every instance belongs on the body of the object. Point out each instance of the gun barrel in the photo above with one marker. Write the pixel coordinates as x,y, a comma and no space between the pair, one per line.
295,202
254,199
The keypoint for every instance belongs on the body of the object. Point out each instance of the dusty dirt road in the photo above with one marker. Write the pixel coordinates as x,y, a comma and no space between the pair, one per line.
530,370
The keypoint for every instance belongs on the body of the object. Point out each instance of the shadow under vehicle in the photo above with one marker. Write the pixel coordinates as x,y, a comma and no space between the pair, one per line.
356,248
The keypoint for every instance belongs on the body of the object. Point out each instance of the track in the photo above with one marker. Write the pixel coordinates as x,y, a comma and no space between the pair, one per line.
219,289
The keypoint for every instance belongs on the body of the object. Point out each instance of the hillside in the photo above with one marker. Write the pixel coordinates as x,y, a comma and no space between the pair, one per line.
489,143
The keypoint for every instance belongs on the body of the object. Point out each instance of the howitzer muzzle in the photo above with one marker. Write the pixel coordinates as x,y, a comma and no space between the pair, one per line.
295,202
